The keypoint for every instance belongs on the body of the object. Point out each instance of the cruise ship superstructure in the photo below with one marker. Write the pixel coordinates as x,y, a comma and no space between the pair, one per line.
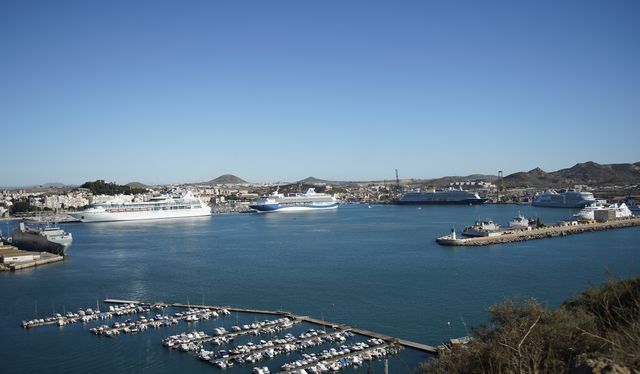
310,200
432,196
157,207
563,199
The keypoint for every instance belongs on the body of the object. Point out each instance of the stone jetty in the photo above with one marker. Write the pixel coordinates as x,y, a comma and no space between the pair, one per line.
557,230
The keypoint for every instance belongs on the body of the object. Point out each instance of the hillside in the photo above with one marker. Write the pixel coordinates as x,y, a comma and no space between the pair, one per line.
589,173
100,187
314,180
227,179
137,185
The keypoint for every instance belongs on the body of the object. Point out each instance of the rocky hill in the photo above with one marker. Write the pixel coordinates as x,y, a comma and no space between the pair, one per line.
314,180
227,179
137,185
589,173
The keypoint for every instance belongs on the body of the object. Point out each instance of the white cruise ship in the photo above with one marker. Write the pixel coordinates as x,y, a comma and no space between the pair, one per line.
563,199
158,207
588,212
311,200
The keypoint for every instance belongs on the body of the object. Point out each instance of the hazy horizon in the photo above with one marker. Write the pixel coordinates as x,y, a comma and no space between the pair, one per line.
170,92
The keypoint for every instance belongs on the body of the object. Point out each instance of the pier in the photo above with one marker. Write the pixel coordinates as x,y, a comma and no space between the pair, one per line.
559,230
12,258
298,318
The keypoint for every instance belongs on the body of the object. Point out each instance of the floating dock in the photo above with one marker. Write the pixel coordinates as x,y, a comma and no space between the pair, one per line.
558,230
282,313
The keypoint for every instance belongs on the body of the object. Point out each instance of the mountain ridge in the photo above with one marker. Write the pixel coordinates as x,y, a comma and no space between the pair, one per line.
587,173
227,179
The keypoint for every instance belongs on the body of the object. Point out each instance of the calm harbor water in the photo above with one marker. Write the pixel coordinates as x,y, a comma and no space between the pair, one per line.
377,268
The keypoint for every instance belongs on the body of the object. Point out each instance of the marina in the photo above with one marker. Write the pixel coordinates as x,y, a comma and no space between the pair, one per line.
376,346
195,313
558,230
297,318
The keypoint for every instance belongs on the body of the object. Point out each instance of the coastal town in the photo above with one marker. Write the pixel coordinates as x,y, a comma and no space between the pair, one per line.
228,193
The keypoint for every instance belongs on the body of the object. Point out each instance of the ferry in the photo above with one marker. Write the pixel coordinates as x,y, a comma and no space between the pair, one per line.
310,200
563,199
450,196
156,207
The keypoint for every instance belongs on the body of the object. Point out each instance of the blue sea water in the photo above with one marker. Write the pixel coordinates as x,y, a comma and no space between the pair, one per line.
377,268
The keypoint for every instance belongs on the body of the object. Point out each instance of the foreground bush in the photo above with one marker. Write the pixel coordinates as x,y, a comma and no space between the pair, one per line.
600,325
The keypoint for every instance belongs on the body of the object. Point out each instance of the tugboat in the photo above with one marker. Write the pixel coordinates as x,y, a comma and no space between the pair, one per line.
50,239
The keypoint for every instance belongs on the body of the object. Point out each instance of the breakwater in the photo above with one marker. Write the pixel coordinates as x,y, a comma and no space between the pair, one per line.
558,230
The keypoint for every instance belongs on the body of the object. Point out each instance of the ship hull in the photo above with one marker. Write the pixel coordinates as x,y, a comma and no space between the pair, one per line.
270,208
442,202
138,216
28,241
560,204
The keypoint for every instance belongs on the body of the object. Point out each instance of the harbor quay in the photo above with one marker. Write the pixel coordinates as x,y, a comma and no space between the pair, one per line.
11,258
558,230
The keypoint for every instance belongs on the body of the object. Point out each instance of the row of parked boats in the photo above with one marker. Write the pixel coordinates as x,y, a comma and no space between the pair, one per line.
158,321
189,342
263,350
333,360
86,315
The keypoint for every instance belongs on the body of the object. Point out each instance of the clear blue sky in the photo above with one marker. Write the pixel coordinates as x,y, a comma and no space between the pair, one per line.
182,91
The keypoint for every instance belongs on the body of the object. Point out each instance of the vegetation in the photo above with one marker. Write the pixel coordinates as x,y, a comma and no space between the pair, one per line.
101,187
21,207
600,327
